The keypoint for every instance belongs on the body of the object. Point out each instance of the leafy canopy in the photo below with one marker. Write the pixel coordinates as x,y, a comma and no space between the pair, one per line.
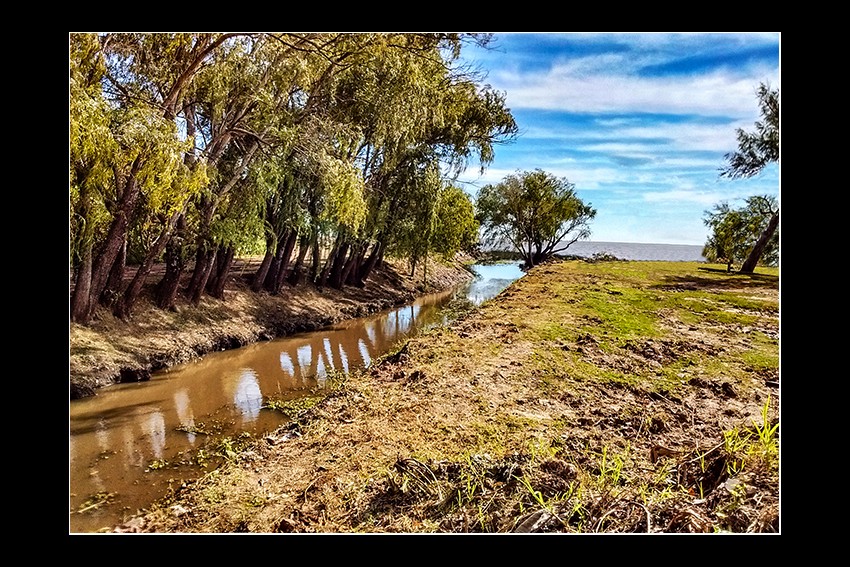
760,147
536,212
734,232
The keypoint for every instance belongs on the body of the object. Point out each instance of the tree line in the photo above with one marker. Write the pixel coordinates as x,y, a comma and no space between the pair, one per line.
321,151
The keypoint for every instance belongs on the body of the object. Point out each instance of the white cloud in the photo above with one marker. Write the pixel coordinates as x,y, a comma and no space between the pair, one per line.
569,88
645,149
681,196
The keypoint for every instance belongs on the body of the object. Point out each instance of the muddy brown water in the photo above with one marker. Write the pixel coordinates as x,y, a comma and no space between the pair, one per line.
133,443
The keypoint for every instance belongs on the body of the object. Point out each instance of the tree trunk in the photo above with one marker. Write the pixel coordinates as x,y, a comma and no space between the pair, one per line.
131,294
112,292
331,261
116,236
303,247
205,258
175,263
215,270
80,308
339,263
275,276
357,254
370,264
224,261
259,280
166,291
755,254
425,271
124,306
349,265
262,272
317,257
291,240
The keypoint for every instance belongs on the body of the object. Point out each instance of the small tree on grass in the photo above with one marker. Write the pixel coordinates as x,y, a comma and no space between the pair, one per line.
756,150
734,232
537,213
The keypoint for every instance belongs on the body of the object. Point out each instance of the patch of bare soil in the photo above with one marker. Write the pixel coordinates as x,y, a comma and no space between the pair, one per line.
508,421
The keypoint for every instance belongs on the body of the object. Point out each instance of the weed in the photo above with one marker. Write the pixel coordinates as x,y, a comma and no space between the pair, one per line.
535,494
157,464
766,432
291,407
735,443
610,468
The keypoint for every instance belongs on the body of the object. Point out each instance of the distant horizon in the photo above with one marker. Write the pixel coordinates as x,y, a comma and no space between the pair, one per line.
624,250
641,243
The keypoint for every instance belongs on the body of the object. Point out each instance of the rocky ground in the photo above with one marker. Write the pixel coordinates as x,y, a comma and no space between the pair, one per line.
589,397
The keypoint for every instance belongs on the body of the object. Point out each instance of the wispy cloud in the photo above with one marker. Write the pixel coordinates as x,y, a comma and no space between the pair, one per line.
639,122
574,88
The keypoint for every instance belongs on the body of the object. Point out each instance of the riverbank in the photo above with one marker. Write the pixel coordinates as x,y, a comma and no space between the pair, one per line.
588,397
110,350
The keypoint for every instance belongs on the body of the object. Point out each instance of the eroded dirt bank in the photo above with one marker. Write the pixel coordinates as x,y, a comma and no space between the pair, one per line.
110,350
638,397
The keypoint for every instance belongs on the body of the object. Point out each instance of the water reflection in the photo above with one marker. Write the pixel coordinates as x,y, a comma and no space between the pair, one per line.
492,279
184,413
249,398
117,435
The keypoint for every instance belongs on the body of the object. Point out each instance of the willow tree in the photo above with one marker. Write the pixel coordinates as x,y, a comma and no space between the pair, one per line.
265,93
439,219
756,150
91,150
166,129
142,78
227,93
344,212
331,193
413,227
415,109
141,148
283,218
535,212
455,226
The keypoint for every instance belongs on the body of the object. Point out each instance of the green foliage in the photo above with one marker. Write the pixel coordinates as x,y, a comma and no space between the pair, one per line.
455,227
759,148
536,212
766,432
247,135
345,203
414,214
734,232
91,143
536,495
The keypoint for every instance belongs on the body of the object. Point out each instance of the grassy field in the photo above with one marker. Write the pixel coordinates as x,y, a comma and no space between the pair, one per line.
637,397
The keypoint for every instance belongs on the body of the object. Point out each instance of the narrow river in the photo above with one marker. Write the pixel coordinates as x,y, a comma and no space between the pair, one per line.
132,443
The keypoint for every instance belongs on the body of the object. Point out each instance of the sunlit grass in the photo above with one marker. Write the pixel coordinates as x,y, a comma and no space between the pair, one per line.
626,315
547,405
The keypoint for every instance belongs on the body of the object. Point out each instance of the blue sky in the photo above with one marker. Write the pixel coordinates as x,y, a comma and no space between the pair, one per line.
640,123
